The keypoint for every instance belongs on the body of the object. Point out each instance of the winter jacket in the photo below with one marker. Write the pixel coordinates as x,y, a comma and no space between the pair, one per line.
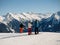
36,24
29,25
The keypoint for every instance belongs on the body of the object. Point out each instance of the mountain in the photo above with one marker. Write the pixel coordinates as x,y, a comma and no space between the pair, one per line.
47,22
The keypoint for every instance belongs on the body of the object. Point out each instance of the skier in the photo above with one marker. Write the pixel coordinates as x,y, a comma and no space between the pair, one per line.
29,28
21,28
36,27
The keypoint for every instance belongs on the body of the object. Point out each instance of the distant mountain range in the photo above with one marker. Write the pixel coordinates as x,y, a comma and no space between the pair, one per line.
49,22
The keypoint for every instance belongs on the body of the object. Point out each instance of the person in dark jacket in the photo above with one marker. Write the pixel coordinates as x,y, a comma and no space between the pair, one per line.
36,27
21,28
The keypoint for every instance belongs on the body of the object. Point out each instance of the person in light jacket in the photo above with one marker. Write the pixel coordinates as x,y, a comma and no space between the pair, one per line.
29,28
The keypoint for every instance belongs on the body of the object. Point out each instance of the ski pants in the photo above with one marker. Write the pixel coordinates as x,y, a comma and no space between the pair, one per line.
29,31
36,30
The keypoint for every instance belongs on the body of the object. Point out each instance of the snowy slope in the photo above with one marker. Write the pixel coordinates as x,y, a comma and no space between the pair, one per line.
43,38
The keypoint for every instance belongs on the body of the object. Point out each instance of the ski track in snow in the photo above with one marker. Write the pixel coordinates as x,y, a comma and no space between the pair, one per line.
11,35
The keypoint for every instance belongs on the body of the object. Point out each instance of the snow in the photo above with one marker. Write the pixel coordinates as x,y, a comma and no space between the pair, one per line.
28,16
1,18
57,17
43,38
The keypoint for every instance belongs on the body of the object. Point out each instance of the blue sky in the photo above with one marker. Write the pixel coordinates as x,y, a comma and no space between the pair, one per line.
18,6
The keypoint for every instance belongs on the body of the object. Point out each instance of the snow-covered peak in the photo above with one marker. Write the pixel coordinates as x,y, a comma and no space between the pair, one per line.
57,15
30,16
1,18
9,17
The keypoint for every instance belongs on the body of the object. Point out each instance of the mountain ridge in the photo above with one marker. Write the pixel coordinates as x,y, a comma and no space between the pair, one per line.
13,20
